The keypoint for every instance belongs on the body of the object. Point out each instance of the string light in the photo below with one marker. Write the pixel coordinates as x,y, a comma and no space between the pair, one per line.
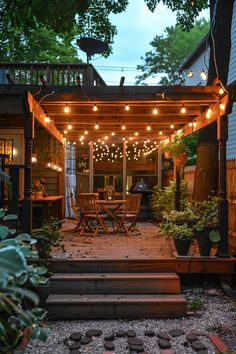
127,107
221,91
203,75
222,106
190,74
136,133
96,126
95,108
183,109
66,109
148,128
172,126
65,131
112,133
69,127
86,132
155,110
123,127
47,119
208,113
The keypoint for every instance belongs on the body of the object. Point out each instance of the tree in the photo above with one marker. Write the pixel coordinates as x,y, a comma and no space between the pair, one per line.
57,23
169,51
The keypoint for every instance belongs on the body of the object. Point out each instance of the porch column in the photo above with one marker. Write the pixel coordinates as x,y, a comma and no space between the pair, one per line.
124,172
159,166
91,167
222,136
29,136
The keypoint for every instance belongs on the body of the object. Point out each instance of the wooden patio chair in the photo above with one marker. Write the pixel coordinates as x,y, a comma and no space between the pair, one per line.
92,220
131,212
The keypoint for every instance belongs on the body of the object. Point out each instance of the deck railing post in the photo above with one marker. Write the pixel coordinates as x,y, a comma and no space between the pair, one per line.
222,136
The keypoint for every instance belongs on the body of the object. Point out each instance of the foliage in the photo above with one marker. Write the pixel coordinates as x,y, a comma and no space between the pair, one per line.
191,143
38,186
47,236
178,224
196,304
15,314
163,200
57,23
206,213
169,51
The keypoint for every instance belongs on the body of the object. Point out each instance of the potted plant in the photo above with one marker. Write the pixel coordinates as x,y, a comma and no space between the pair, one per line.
176,149
206,226
38,189
47,236
177,226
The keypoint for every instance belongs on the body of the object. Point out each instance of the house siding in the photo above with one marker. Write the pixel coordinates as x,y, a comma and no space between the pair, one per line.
201,63
232,63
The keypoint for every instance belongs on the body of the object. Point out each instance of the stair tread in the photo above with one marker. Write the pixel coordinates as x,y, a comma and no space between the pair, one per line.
111,298
73,276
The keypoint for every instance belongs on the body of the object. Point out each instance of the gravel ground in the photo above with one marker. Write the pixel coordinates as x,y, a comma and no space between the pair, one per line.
211,313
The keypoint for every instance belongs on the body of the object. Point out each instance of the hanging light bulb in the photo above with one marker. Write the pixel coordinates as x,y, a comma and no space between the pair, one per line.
222,106
127,107
96,126
136,133
95,108
123,127
112,133
74,143
221,91
203,75
47,119
148,128
155,110
66,109
69,127
183,109
86,132
106,137
160,133
190,74
34,159
172,126
65,131
208,113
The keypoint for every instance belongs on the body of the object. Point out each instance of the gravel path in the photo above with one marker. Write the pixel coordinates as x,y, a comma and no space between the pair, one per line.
212,313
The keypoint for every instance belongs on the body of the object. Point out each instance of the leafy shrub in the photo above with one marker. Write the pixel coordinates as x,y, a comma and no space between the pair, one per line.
17,314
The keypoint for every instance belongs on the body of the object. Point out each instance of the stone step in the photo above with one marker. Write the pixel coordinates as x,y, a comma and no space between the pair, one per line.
115,283
87,306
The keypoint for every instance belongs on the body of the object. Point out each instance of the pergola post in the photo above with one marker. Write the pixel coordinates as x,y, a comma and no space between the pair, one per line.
29,136
222,136
124,172
177,191
91,167
159,166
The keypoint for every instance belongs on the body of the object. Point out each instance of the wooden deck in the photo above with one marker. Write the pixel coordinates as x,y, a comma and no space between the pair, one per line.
149,252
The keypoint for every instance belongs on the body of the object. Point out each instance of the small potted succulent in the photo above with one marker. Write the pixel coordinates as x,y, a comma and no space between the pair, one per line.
38,189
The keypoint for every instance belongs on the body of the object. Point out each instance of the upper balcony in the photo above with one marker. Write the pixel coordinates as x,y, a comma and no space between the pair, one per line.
50,74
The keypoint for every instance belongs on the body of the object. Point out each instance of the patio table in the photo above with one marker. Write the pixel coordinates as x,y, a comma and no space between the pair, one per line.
112,208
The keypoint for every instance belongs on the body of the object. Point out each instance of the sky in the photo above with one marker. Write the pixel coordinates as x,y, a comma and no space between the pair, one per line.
137,26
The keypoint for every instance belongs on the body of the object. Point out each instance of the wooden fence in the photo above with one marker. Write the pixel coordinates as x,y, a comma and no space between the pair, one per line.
189,175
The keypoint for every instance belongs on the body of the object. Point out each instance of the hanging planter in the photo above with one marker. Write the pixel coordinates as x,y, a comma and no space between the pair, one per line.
176,150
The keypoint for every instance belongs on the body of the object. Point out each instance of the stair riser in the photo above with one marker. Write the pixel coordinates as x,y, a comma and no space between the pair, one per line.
105,311
163,286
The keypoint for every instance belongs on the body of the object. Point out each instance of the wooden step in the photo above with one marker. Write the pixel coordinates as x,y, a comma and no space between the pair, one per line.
87,306
115,283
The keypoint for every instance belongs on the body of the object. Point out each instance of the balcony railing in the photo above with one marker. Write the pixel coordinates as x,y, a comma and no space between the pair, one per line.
50,74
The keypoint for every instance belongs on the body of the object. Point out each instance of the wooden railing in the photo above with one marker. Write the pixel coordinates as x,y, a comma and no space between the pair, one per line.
50,74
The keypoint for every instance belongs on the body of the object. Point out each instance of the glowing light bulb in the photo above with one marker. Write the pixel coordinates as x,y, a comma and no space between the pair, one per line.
183,110
95,108
96,126
221,91
65,131
172,126
160,133
155,110
203,75
148,128
47,119
136,133
222,106
113,133
190,74
66,109
69,127
123,127
86,132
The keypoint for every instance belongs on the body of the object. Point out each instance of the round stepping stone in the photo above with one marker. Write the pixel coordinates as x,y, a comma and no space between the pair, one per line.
136,348
163,343
198,345
131,333
75,345
109,337
163,335
149,333
93,333
135,341
120,334
76,336
85,340
176,332
191,337
109,345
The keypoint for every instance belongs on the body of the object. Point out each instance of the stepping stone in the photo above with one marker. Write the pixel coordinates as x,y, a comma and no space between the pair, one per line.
163,335
135,341
120,334
198,345
176,332
76,336
109,336
131,333
202,351
191,337
109,345
85,340
167,351
163,343
75,351
149,333
136,348
75,345
93,333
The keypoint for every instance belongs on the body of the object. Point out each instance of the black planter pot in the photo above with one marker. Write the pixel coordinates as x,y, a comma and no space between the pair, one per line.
204,243
182,246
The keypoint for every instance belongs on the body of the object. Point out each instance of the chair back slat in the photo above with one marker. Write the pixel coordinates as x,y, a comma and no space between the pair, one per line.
133,203
87,203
